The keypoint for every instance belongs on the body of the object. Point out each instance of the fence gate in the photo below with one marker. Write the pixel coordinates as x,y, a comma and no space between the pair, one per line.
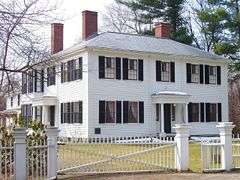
116,154
211,155
236,151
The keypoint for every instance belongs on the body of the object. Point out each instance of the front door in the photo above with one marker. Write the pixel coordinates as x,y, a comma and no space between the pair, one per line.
52,115
167,118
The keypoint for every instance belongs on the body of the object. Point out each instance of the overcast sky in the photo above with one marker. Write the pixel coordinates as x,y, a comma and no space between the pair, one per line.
72,10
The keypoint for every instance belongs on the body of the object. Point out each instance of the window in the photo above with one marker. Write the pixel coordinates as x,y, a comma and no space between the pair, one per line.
38,113
51,76
24,83
194,112
39,80
211,112
110,67
165,71
71,70
18,99
110,112
133,112
26,111
133,69
212,74
195,73
11,101
71,112
30,81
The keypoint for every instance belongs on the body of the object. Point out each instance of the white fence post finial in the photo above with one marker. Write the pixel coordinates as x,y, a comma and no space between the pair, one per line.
20,164
225,129
52,134
182,146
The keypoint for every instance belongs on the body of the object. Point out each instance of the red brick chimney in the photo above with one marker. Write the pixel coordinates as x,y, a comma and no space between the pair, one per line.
56,37
89,24
162,30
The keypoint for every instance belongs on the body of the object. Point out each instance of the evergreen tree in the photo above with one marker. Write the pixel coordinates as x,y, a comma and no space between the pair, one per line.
156,10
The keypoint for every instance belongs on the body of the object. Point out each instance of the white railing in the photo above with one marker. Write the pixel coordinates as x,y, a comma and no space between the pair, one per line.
23,157
116,154
236,151
37,159
6,160
211,153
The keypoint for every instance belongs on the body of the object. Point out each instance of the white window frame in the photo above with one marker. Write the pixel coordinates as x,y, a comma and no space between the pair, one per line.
110,72
115,112
133,72
137,112
195,76
213,76
166,72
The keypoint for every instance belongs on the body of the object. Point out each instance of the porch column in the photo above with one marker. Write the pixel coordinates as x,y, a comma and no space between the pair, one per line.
162,118
186,113
45,115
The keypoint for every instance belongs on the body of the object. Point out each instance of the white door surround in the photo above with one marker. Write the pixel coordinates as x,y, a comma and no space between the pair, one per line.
179,99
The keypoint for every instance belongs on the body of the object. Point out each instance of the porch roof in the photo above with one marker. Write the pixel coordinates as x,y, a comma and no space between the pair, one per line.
174,97
45,101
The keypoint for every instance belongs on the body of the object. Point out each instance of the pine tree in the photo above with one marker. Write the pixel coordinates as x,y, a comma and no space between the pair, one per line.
155,10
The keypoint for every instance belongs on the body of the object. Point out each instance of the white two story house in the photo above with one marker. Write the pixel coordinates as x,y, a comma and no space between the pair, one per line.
113,84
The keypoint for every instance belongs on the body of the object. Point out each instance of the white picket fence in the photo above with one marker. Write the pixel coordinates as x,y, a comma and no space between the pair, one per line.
116,154
43,159
26,158
6,160
211,153
236,151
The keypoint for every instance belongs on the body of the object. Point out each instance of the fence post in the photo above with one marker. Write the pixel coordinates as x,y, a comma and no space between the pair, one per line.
225,129
20,164
52,134
182,146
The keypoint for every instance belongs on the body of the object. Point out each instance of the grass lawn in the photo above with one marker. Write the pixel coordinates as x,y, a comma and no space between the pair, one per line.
159,158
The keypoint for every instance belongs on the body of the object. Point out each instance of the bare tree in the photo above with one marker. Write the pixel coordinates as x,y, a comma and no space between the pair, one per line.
21,42
119,18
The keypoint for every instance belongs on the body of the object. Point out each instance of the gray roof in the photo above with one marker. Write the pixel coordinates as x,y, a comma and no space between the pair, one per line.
130,42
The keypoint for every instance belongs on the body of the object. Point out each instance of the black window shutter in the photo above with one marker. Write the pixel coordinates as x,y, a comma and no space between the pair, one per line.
62,113
141,112
207,112
80,68
119,111
62,74
125,111
118,68
190,112
140,70
35,76
42,80
158,70
101,112
80,112
218,74
101,67
172,71
206,74
202,112
72,120
188,67
219,112
48,76
201,74
125,68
